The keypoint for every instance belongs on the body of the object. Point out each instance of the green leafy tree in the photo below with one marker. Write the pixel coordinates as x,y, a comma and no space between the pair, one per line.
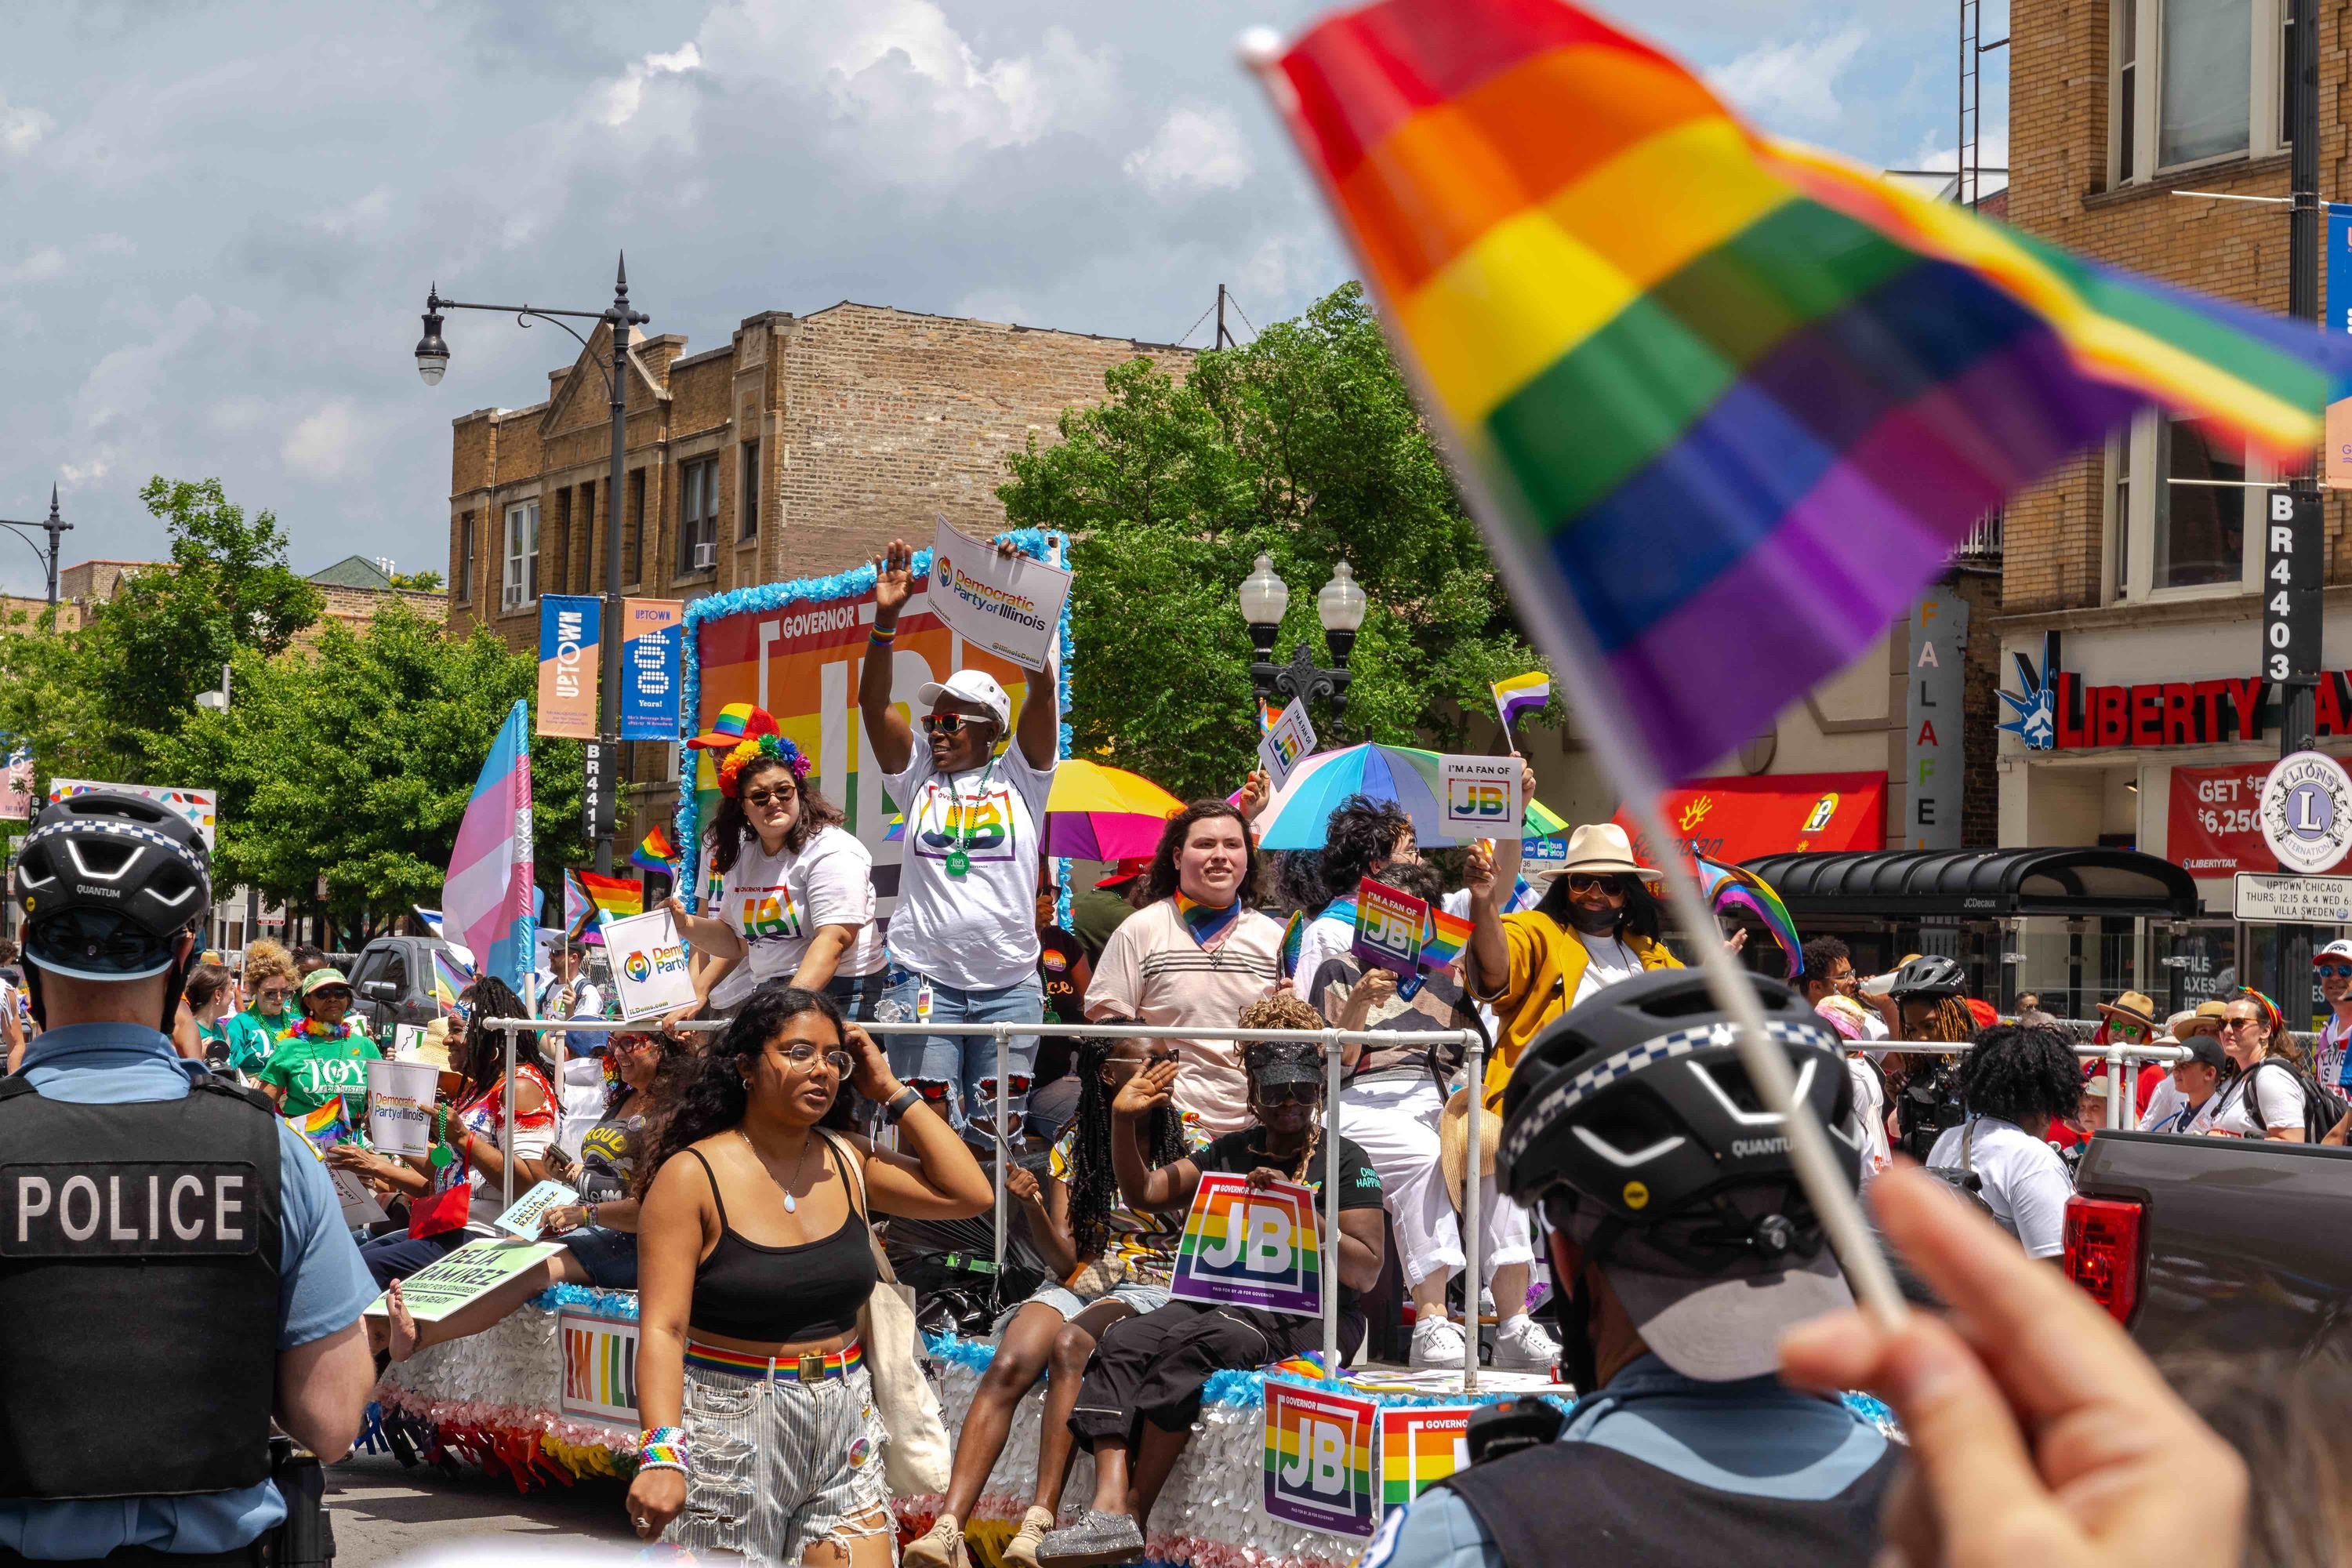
1304,445
354,760
420,582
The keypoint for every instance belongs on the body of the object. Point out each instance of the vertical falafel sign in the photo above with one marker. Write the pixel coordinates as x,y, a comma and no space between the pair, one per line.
1009,605
648,963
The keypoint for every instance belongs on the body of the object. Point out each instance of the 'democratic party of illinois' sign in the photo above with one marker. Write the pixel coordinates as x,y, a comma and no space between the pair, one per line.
798,649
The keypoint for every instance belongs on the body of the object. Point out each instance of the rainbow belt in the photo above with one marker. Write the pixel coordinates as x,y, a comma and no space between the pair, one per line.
814,1367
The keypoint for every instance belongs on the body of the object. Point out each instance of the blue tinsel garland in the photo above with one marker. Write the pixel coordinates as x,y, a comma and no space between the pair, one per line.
764,597
587,1299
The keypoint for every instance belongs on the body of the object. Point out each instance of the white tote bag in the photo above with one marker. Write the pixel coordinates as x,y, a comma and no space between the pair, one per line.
917,1458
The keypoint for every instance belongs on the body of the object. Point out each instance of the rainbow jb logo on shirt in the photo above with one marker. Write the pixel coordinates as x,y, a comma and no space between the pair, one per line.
1318,1458
980,825
1249,1246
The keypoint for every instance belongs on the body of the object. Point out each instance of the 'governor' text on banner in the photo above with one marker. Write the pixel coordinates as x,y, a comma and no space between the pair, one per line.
1009,605
1252,1247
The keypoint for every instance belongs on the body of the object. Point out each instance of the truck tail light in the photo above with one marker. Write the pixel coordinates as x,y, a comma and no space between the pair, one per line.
2102,1253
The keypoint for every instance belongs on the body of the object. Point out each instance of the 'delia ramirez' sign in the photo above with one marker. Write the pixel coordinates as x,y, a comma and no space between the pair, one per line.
2055,709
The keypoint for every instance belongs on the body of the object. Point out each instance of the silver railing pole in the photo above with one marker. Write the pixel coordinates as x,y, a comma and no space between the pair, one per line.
507,1120
1004,1098
1473,1253
2121,1076
1331,1204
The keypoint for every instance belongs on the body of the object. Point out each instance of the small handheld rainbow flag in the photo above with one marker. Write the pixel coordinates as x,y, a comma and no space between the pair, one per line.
616,895
1442,938
324,1127
1521,694
657,853
451,975
1737,888
578,908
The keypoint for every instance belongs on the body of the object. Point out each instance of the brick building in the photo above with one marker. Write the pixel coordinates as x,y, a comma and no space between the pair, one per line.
801,447
2134,571
354,589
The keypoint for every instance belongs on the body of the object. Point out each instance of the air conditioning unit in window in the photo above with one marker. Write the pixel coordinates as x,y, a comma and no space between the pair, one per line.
706,555
511,597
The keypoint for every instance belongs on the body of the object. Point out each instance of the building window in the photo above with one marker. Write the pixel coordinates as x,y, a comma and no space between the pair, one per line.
520,585
465,573
2189,525
2193,81
590,571
697,516
566,548
632,530
747,526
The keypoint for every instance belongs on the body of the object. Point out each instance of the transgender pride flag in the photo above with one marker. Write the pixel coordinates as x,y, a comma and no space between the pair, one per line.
487,901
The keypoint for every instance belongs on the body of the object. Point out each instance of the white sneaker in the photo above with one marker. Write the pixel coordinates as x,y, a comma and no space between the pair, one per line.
1437,1342
1521,1345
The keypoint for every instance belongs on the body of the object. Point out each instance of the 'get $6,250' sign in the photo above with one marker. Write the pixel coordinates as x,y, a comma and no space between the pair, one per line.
1251,1246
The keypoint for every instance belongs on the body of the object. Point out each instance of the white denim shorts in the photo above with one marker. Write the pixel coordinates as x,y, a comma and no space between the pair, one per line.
1140,1298
778,1466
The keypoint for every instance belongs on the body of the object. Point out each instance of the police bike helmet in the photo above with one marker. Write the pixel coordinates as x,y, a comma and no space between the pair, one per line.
1632,1123
109,882
1928,978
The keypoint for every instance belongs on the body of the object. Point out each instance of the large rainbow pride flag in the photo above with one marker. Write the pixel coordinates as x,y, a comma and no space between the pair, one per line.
1716,391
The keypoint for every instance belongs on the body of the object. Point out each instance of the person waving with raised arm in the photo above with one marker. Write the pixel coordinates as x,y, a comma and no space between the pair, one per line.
963,940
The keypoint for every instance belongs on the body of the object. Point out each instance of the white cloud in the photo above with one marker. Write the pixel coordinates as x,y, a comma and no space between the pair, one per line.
1199,148
22,128
621,99
325,446
1992,151
1791,81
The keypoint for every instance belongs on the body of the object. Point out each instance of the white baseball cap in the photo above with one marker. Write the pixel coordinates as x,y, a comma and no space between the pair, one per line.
972,686
2340,948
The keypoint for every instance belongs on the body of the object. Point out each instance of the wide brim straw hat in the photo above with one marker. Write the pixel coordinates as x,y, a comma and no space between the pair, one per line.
1454,1141
1600,848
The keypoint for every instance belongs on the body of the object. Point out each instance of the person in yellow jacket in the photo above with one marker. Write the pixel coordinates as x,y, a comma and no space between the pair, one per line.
1596,925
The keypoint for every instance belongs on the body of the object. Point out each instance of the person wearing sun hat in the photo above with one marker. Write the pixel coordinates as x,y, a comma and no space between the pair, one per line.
964,939
1597,924
795,903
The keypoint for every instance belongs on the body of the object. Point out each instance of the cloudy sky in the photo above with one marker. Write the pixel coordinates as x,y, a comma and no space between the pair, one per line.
222,218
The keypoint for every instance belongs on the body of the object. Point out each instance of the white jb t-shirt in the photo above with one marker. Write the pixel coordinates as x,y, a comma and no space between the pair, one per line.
977,931
2025,1181
777,902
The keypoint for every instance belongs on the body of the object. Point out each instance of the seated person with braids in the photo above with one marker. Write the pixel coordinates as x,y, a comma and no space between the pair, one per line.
1113,1262
1142,1389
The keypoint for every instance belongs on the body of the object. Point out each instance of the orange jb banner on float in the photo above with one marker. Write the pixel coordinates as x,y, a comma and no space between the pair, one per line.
802,661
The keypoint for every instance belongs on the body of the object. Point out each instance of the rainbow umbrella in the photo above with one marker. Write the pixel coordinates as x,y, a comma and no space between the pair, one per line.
1299,814
1737,888
1095,812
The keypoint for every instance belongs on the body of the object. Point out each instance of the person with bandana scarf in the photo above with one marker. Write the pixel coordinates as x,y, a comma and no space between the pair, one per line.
1596,925
1195,953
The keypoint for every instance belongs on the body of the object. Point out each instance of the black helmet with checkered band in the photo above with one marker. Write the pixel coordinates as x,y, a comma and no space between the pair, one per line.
1633,1122
107,882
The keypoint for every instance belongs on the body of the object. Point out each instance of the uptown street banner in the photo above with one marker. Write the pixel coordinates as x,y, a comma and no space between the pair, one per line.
569,628
798,650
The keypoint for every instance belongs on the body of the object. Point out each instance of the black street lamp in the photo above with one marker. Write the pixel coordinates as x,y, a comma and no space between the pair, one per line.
1338,605
432,360
53,526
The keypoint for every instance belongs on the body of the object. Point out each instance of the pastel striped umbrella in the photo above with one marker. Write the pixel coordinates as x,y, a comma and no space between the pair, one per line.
1097,812
1408,777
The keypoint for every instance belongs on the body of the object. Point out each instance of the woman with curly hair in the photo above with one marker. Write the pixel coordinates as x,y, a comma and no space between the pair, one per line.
754,1256
2017,1079
1142,1390
796,901
1114,1263
1194,954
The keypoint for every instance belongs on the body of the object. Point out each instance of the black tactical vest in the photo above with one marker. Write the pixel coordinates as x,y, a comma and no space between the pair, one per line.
1566,1505
139,1264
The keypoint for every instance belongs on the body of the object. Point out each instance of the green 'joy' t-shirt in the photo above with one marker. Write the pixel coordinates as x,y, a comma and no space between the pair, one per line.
251,1039
313,1071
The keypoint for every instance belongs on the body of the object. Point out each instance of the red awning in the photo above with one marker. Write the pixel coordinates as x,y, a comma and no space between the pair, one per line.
1731,820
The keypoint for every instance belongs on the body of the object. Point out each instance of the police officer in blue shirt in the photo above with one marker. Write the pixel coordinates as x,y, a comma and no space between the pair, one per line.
175,1270
1682,1247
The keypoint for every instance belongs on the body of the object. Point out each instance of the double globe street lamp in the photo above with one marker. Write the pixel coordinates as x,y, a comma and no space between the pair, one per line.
432,361
1339,604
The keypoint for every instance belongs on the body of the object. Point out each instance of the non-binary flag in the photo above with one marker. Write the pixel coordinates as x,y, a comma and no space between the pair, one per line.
1716,393
1521,694
487,896
616,895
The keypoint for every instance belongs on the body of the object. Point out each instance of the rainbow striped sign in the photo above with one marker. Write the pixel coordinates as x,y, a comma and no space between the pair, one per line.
600,1369
1318,1459
1420,1446
1251,1246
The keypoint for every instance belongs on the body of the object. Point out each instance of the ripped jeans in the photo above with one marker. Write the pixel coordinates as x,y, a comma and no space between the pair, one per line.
780,1466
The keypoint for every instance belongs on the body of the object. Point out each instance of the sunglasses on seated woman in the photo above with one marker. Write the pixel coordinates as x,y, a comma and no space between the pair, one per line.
1285,1093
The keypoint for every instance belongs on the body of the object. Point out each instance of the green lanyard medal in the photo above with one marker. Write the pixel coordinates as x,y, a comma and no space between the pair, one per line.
963,834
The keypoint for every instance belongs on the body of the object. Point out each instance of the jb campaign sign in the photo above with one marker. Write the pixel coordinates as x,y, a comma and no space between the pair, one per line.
600,1369
1252,1247
1318,1458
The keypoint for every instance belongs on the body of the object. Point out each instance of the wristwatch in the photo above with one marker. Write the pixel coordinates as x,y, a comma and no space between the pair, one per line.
899,1104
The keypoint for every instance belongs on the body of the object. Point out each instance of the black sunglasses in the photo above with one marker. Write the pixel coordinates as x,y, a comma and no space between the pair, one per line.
1584,882
1287,1093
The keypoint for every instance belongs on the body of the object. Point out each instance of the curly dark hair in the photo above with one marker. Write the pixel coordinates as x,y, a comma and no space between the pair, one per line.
714,1095
480,1056
732,829
1638,918
2023,1073
1093,1186
1820,956
1297,882
1159,882
1362,832
676,1066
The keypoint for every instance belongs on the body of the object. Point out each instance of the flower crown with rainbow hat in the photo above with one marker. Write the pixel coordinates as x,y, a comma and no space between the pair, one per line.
746,734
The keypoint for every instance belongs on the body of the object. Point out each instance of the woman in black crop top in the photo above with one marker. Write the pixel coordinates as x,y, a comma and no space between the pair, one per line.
752,1262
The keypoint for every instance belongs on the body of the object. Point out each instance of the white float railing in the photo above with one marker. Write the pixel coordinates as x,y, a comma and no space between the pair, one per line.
2123,1063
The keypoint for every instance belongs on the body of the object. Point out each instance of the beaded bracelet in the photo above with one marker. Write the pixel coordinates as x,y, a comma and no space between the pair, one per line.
881,639
664,1448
